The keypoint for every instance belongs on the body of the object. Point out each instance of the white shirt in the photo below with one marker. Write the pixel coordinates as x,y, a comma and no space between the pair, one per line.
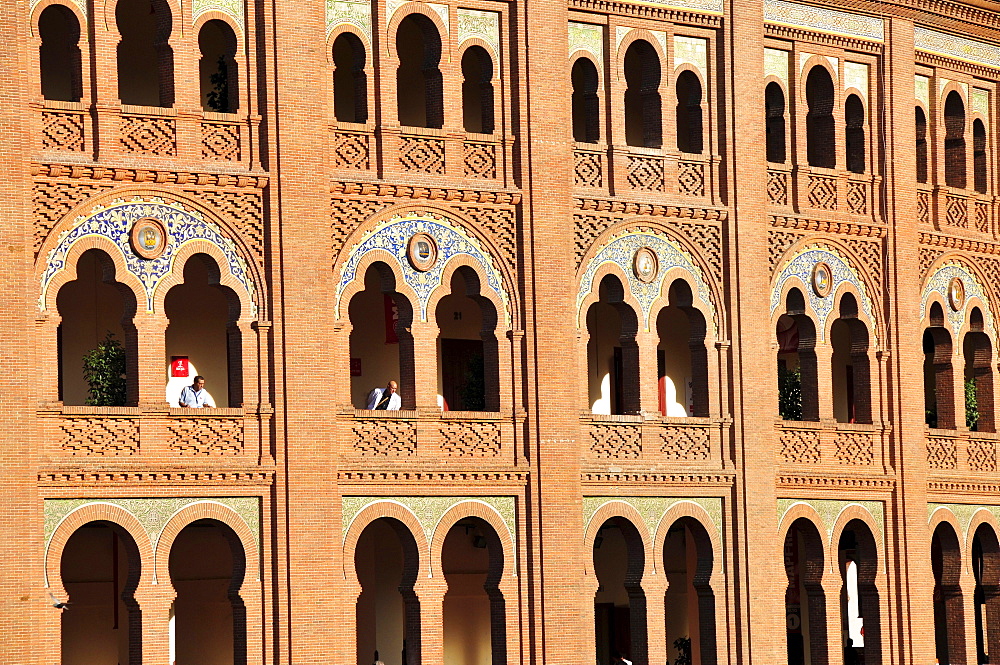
194,399
375,396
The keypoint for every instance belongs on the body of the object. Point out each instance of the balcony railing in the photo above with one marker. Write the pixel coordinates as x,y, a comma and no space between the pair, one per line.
843,445
961,452
627,439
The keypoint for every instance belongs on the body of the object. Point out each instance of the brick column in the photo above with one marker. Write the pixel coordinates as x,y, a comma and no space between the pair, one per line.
655,587
649,402
46,343
425,359
431,594
151,358
154,603
958,383
824,379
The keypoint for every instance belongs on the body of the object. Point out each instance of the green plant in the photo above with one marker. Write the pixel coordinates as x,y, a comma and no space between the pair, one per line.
790,393
218,96
683,646
104,372
971,405
473,390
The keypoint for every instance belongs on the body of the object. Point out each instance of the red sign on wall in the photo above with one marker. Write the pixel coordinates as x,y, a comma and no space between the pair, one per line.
355,366
178,366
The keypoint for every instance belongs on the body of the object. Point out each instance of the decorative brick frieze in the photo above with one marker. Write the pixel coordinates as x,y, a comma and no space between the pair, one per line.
151,136
96,435
470,438
206,436
220,140
63,130
384,437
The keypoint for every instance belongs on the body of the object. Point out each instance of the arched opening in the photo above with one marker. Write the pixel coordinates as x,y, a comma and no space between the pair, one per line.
388,611
986,570
474,611
854,133
921,126
774,107
805,602
939,397
980,165
690,601
949,617
850,367
820,134
586,105
620,603
350,83
100,569
468,362
381,343
857,558
477,90
978,352
954,141
689,122
207,567
612,352
202,328
145,58
94,307
798,381
60,60
419,92
681,356
643,117
217,68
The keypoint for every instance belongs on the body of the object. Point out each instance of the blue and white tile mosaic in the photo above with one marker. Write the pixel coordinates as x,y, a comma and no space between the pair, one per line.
800,268
114,222
621,251
939,282
393,236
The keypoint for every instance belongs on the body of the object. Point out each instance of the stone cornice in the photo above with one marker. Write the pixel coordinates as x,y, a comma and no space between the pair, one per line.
150,176
446,194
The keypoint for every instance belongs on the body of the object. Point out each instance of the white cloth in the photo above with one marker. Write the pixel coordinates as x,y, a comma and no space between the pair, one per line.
375,396
195,399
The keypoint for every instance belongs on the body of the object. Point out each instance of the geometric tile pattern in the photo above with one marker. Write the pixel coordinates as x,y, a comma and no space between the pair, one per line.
939,282
819,19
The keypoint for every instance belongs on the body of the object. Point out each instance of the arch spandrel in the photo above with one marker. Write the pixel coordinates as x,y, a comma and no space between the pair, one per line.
393,236
799,269
231,8
113,221
938,285
621,250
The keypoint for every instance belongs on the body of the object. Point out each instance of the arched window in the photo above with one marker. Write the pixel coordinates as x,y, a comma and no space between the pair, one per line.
986,571
219,74
820,142
620,602
469,377
949,609
207,567
850,368
921,127
381,343
939,394
612,352
203,329
643,123
774,106
798,395
145,59
978,352
419,92
100,570
857,558
59,55
854,133
586,107
350,83
980,167
474,613
96,315
954,141
477,90
681,356
687,562
805,601
689,124
388,611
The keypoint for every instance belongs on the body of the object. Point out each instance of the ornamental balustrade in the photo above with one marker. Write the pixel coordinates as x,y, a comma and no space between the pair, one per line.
845,446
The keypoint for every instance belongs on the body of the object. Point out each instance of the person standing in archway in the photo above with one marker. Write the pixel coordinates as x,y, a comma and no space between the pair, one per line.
385,399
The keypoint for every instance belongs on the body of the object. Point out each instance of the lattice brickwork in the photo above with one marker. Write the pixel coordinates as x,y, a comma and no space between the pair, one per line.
500,223
957,213
204,437
778,243
777,187
351,150
220,140
52,200
800,446
924,207
385,438
646,173
855,448
822,192
588,169
615,441
982,455
941,453
148,136
346,215
62,130
691,178
685,443
100,436
426,155
857,197
470,439
480,159
243,209
982,217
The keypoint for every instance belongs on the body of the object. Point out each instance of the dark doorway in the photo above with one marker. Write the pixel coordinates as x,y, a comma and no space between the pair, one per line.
462,375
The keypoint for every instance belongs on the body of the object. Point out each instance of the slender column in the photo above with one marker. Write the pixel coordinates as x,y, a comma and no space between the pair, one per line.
649,401
154,603
47,343
151,358
431,595
656,617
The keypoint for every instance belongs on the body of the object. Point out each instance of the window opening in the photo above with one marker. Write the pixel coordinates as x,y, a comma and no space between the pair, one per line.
59,55
350,82
954,141
643,116
586,106
477,90
854,133
217,67
774,106
689,120
145,58
419,91
820,135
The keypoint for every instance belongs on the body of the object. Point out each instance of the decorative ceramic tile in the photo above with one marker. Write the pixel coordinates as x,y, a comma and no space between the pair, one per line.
152,514
700,6
834,63
943,83
587,37
829,511
922,85
776,64
692,51
114,222
939,283
819,19
856,76
981,103
231,8
358,14
953,46
621,250
963,512
441,10
800,268
394,235
81,6
430,509
622,31
484,25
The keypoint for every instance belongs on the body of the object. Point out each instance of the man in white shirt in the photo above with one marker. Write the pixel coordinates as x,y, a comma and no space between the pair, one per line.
195,396
384,399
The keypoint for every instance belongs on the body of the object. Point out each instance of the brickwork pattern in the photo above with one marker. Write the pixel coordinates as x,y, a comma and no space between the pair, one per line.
385,438
206,437
100,436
